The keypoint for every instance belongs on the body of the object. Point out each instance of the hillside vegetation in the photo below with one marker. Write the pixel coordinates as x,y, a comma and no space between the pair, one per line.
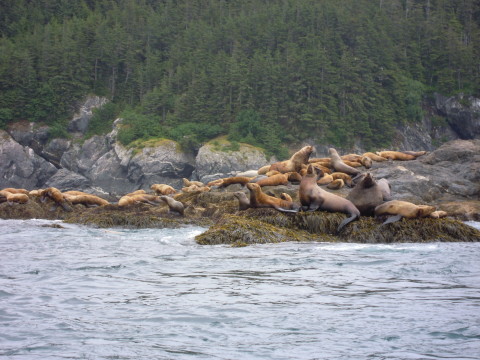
263,72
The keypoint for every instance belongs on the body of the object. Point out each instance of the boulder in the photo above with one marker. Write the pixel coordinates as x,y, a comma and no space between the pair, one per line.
462,113
20,166
79,122
214,159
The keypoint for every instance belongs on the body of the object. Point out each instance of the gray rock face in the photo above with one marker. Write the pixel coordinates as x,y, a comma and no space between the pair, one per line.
20,166
81,119
462,113
450,172
222,163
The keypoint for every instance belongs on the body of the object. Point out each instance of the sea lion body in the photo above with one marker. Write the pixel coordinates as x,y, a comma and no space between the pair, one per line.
374,157
242,180
243,200
139,198
366,195
345,177
295,162
438,214
325,179
396,155
313,197
163,189
16,191
339,165
87,200
259,199
402,209
174,205
275,180
18,198
188,183
57,196
336,184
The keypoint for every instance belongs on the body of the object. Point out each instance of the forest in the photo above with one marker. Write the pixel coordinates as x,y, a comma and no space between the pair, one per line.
267,73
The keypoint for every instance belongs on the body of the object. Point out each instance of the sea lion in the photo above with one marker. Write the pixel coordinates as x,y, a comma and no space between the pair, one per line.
325,179
374,157
295,162
313,197
162,189
366,161
294,177
139,198
35,193
345,177
438,214
339,165
414,153
136,192
319,160
353,164
258,199
74,192
242,180
57,196
366,195
272,172
248,173
18,198
188,183
243,200
357,159
263,170
336,184
16,191
325,169
396,155
174,205
386,189
275,180
285,196
402,209
87,200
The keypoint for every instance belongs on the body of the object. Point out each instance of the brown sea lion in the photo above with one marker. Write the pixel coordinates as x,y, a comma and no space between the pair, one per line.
325,169
351,157
259,199
374,157
294,177
396,155
414,153
295,162
366,195
336,184
263,170
136,192
313,197
320,160
402,209
16,191
353,164
438,214
162,189
74,192
367,162
87,200
55,195
243,200
174,205
357,159
285,196
325,179
188,183
242,180
35,193
17,198
275,180
345,177
139,198
272,172
339,165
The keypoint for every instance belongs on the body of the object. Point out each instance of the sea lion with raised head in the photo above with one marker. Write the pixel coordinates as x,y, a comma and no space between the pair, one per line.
55,195
366,195
396,209
313,197
295,162
258,199
243,200
174,205
339,165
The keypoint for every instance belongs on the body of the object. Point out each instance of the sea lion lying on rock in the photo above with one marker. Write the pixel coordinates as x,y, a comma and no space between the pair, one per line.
162,189
139,198
55,195
258,199
87,200
396,209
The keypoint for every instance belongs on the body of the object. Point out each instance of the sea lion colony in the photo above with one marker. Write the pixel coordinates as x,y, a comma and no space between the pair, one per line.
368,196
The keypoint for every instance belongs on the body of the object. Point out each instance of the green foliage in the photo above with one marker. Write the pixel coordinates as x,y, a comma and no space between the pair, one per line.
330,70
191,135
58,130
137,126
102,119
5,117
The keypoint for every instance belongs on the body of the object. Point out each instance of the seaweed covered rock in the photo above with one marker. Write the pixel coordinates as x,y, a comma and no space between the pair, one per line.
257,226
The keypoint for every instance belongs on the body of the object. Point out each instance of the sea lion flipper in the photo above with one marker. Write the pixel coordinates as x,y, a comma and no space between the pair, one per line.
392,219
346,221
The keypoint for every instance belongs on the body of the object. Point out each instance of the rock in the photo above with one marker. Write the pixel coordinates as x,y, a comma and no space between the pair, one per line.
20,166
462,113
212,159
65,180
80,158
160,162
451,172
81,119
462,210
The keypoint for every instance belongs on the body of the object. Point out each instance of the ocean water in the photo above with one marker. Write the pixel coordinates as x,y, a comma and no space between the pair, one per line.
83,293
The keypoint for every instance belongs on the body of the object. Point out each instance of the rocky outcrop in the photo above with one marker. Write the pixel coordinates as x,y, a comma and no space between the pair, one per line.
462,113
20,166
80,121
214,161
